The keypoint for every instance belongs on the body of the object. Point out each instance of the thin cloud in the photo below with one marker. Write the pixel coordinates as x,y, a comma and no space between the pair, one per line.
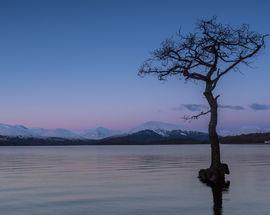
232,107
262,107
200,107
194,107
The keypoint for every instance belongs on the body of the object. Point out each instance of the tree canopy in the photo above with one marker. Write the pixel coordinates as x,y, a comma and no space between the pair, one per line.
207,54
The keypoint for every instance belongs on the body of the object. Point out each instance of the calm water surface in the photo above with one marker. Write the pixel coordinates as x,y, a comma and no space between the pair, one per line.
129,180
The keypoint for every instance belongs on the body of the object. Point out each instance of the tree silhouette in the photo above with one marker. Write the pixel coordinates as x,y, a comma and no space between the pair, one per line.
206,55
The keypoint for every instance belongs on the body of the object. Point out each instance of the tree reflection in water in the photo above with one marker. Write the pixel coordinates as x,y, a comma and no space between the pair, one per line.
217,191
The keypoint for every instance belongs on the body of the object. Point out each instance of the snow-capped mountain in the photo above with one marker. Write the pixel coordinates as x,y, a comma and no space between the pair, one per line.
14,130
99,133
169,130
158,127
58,132
22,131
243,130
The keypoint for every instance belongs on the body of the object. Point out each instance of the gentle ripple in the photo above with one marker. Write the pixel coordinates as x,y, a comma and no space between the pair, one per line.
133,180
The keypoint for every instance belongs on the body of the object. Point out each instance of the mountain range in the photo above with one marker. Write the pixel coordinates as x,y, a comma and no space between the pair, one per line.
145,134
160,128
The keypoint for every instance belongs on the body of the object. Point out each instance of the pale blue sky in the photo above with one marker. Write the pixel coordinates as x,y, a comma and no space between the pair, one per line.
73,64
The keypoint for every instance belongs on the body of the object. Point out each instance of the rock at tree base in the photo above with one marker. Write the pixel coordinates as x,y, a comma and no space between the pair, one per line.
215,175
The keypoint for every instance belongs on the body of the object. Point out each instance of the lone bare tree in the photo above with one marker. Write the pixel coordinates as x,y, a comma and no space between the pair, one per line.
210,52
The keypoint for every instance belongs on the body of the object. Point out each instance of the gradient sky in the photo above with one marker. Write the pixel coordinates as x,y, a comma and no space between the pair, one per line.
73,64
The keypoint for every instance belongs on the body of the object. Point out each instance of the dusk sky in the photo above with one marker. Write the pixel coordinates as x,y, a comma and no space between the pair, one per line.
73,64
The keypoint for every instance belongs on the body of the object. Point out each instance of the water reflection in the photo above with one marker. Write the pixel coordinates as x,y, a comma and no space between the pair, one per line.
217,192
217,200
133,180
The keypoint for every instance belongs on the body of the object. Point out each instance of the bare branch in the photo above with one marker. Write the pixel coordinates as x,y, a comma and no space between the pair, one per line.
190,118
241,59
207,54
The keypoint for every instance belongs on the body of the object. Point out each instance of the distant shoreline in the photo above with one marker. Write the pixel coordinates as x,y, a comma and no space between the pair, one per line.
184,144
142,138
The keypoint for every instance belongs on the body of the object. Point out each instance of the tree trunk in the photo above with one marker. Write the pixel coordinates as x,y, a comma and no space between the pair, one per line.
215,175
213,136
